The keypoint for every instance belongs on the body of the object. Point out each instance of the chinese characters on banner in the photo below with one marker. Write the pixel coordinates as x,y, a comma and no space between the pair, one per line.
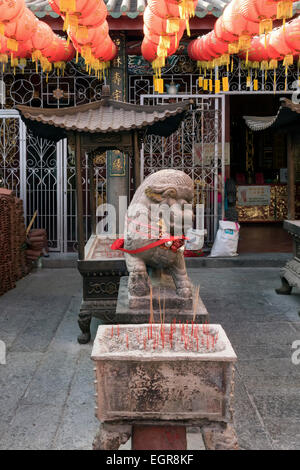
118,70
254,195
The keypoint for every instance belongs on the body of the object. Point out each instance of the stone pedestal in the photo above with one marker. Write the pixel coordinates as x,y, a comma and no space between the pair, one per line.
137,309
167,388
290,274
101,271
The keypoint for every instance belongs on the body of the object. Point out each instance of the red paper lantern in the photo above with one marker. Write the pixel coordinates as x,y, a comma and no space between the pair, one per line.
191,50
43,37
105,51
284,8
214,46
163,9
259,12
59,50
55,6
257,51
197,50
77,7
155,24
169,8
3,45
149,50
24,50
233,21
277,48
69,52
292,34
22,28
11,9
222,33
94,35
155,38
86,17
186,8
96,17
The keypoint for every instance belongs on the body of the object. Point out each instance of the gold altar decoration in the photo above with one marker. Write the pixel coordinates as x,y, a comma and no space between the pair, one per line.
249,151
276,211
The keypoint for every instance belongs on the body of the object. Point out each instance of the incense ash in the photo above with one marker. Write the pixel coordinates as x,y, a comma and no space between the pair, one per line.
159,337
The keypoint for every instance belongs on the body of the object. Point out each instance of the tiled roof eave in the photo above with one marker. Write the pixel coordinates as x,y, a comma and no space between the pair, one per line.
133,9
41,8
70,121
259,123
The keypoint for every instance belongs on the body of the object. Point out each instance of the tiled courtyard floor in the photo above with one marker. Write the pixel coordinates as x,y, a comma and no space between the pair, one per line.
46,387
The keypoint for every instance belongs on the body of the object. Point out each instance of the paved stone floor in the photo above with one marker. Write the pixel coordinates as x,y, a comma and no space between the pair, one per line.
46,396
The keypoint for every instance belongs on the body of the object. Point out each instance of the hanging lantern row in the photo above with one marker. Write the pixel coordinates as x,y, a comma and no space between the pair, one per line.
265,52
86,25
233,33
164,24
280,45
23,37
240,21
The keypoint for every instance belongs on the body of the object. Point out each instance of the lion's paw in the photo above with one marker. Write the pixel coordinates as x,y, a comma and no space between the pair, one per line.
139,284
184,292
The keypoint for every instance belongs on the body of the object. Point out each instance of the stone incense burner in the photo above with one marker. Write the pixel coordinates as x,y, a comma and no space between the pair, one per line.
175,374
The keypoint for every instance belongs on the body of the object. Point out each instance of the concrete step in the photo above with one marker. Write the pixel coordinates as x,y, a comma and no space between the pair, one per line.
246,260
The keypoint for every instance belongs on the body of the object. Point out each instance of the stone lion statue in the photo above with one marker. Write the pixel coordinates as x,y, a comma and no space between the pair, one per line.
155,214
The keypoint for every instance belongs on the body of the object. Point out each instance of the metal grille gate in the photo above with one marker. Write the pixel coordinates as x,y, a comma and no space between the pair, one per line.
31,167
42,174
197,148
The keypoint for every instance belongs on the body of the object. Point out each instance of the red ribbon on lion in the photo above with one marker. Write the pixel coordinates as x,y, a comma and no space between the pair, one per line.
119,244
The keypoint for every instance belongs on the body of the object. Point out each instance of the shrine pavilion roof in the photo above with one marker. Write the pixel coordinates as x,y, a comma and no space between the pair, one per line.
288,117
105,116
131,8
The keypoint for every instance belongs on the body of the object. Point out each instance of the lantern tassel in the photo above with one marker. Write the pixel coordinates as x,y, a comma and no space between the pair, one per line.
284,9
244,42
265,26
225,83
12,45
233,48
188,31
173,25
165,41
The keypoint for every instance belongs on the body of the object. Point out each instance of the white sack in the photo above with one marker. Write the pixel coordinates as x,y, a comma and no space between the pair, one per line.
227,238
195,239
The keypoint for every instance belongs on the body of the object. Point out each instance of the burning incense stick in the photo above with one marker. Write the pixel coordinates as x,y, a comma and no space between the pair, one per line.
196,301
151,305
159,304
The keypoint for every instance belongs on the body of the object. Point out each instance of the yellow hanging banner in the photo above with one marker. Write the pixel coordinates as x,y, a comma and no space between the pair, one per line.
225,84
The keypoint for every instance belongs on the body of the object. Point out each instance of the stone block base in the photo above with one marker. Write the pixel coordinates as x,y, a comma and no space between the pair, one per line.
137,310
